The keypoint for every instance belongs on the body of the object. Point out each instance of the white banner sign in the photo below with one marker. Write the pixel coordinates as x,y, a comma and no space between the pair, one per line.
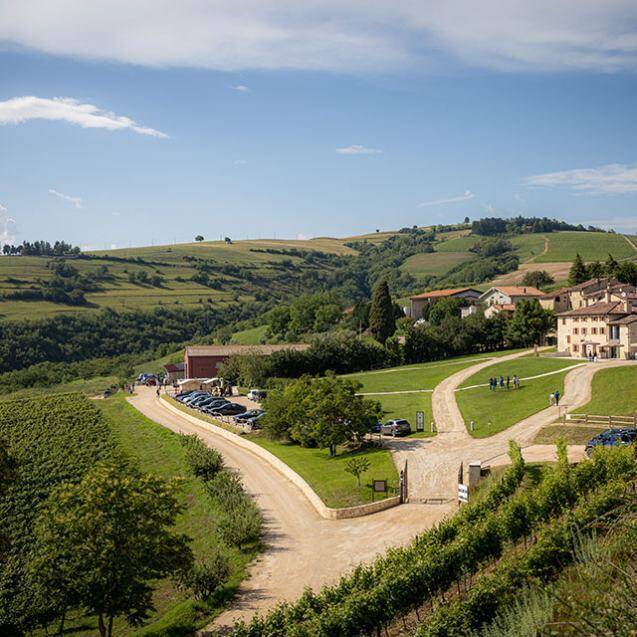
463,493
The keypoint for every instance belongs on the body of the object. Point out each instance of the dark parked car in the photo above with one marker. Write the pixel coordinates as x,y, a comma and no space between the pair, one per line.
251,413
193,396
397,427
230,409
376,429
612,438
253,423
214,405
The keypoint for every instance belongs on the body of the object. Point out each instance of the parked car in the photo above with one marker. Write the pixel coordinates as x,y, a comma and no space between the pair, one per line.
199,400
257,395
253,423
396,427
377,428
214,404
230,409
182,394
195,396
612,438
251,413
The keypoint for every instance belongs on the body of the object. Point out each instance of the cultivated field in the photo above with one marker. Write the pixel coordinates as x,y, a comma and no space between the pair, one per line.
563,246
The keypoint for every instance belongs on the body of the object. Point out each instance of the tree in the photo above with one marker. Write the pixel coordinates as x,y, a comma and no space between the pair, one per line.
529,324
611,266
228,240
322,412
199,237
578,272
381,314
206,577
100,543
357,467
538,279
467,220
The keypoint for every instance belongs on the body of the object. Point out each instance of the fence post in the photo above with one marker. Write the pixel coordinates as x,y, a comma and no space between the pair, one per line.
586,419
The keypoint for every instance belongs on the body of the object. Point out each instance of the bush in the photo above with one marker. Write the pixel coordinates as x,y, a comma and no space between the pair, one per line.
203,461
205,578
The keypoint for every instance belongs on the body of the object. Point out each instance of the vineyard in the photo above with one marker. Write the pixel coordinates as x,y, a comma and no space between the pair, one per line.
54,440
443,578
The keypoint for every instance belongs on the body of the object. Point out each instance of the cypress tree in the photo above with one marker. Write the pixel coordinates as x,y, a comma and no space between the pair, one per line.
382,321
578,272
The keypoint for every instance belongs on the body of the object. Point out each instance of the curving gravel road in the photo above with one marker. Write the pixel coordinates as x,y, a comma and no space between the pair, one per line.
302,549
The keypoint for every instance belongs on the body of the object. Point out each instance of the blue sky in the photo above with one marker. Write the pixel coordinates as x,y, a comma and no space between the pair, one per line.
327,119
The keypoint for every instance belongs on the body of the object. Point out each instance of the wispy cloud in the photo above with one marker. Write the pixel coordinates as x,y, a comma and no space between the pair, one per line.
241,88
21,109
611,179
438,202
359,36
76,201
357,149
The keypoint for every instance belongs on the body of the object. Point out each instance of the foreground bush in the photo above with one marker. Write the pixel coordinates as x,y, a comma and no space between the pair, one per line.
203,461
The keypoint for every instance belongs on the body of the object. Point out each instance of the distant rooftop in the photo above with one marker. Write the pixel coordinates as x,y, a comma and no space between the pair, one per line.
230,350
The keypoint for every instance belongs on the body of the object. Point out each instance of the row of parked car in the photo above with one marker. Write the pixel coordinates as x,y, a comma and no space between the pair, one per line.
612,438
218,406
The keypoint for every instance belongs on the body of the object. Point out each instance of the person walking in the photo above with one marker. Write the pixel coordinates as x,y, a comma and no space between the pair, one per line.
557,397
501,381
516,381
158,390
551,398
508,381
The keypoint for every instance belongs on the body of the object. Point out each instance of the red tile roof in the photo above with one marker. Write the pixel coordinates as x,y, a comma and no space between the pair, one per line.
597,309
442,293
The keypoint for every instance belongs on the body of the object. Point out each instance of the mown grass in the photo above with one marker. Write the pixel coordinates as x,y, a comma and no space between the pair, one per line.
252,336
563,246
157,450
495,411
614,392
572,434
325,475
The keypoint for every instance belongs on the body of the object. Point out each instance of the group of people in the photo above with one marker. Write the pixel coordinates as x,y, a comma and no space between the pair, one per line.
554,397
503,382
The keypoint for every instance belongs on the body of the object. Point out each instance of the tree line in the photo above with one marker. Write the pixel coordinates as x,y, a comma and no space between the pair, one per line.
40,249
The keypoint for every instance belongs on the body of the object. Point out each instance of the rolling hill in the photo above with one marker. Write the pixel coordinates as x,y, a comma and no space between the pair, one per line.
258,269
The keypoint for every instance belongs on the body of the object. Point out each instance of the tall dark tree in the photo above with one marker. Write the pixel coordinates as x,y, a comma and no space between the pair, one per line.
529,324
611,266
382,320
578,272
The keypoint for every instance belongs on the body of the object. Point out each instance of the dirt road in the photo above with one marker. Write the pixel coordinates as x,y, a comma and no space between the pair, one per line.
302,549
434,462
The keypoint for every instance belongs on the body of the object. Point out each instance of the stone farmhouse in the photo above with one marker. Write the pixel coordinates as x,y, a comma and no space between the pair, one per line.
504,298
600,320
419,301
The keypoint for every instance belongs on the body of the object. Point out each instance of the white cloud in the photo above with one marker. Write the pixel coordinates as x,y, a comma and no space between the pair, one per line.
335,35
357,149
437,202
241,88
21,109
611,179
76,201
8,228
302,237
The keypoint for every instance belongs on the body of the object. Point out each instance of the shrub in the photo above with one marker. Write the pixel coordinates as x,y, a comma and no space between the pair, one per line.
205,577
203,461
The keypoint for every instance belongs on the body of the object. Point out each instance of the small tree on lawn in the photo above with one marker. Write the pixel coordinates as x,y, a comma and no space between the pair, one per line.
382,321
101,543
357,467
578,272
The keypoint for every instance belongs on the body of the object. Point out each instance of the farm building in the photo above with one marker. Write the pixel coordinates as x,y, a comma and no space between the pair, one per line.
203,361
419,301
174,371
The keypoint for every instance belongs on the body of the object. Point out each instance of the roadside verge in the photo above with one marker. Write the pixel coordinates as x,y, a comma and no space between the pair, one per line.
324,511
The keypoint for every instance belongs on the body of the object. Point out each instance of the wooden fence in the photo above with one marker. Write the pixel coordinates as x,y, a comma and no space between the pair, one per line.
607,421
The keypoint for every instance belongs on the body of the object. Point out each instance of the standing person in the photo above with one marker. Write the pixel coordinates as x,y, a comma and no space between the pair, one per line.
490,384
158,389
557,397
501,381
508,381
551,398
516,381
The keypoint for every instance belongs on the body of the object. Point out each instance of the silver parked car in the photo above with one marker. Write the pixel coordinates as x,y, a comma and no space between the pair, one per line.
397,427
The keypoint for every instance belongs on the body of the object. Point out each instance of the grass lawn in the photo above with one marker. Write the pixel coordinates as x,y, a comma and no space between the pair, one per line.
252,336
158,450
563,246
325,475
573,434
614,393
493,412
528,246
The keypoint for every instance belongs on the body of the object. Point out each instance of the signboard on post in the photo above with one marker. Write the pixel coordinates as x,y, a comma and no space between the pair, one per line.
378,486
463,493
420,421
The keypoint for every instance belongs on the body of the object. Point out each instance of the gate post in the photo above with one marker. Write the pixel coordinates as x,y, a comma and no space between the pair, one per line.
404,485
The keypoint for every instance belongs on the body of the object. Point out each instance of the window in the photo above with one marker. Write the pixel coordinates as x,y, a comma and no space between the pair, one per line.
563,321
602,330
593,330
575,348
575,330
583,331
568,340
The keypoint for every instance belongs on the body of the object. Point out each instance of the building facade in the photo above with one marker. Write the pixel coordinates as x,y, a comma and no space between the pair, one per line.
419,301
